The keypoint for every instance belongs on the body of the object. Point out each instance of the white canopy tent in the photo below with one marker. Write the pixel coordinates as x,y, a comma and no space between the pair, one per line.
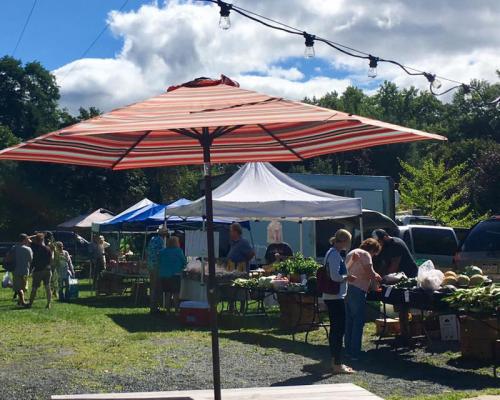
259,191
85,221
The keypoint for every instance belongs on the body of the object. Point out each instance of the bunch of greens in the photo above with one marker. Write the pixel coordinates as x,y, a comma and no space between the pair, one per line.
406,283
246,283
481,300
298,264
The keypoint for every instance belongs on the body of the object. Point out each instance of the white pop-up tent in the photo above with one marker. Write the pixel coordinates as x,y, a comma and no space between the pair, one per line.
259,191
85,221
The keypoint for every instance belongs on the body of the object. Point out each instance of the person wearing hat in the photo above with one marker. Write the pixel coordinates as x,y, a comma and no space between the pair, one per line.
23,256
394,256
155,245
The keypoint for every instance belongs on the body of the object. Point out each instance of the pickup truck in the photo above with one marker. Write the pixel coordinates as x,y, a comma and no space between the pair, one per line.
436,243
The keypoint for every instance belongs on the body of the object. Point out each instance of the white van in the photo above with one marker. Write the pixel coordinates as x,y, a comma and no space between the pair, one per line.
436,243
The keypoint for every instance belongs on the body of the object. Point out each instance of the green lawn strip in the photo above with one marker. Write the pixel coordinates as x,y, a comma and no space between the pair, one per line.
87,338
455,395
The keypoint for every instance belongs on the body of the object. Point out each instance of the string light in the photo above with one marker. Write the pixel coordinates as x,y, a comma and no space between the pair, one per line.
434,82
372,70
309,50
466,89
225,10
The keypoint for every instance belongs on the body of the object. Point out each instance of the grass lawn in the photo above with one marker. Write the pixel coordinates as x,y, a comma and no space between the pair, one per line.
108,344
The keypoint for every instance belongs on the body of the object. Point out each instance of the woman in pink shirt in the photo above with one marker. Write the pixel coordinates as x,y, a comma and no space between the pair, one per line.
355,300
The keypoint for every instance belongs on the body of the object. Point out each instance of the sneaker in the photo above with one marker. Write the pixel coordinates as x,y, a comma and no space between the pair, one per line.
342,370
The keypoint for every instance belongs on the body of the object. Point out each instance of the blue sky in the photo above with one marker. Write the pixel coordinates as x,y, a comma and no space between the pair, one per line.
170,42
59,30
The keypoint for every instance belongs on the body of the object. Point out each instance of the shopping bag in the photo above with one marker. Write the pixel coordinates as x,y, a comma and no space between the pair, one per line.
73,288
6,281
429,278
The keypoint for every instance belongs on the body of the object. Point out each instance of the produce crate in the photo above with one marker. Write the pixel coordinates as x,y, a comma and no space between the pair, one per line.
478,337
297,312
392,327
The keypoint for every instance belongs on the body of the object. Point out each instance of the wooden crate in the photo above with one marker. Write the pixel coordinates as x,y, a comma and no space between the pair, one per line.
392,327
478,337
291,315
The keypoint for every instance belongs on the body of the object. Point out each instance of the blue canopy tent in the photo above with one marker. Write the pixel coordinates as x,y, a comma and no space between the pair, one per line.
116,223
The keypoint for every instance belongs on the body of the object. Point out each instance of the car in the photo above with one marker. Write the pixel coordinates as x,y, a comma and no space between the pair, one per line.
371,220
406,219
481,248
436,243
77,246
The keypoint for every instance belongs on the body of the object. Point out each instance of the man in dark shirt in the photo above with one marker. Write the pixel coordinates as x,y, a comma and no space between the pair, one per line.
40,266
395,255
240,252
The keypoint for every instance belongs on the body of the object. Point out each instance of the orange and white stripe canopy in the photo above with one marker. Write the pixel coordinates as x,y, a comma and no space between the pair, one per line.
243,126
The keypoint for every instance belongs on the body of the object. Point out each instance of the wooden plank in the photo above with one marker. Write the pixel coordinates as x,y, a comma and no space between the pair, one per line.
341,391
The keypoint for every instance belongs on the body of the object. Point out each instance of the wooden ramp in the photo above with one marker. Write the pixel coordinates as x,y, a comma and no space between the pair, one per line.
340,391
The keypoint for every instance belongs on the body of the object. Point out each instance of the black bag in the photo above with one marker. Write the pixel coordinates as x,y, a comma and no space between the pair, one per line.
325,283
9,261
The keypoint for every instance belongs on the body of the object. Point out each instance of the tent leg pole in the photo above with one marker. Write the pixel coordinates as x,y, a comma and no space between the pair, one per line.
301,238
361,228
205,142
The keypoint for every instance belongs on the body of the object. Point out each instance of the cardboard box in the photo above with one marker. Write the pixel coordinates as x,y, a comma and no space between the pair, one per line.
449,327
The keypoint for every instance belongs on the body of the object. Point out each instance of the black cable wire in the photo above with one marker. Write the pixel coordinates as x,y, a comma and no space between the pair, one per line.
92,44
104,29
28,18
350,51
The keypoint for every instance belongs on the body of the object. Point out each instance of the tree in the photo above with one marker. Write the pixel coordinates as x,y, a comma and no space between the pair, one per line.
437,191
28,98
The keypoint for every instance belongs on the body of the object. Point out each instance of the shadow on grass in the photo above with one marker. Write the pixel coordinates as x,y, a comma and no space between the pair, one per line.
108,302
144,322
380,362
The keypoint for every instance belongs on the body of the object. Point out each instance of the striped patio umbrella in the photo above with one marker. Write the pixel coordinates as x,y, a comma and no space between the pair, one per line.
205,121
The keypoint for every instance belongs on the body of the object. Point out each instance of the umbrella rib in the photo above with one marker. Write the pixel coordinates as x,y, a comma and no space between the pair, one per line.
187,133
222,132
137,142
286,146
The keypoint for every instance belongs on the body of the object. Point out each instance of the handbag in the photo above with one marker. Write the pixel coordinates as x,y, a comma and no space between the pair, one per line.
325,283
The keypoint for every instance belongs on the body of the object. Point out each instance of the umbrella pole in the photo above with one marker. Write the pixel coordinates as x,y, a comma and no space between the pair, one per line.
301,236
205,142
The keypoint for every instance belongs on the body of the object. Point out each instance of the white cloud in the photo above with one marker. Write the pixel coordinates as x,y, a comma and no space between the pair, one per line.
170,43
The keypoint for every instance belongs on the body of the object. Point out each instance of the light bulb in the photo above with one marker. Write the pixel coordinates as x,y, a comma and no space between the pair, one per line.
224,22
436,84
372,70
309,52
225,10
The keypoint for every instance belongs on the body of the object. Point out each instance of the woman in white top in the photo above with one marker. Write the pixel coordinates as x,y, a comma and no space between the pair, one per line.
355,301
337,272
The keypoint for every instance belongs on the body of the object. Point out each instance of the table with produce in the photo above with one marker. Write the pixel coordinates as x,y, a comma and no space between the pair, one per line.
122,275
468,294
291,284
